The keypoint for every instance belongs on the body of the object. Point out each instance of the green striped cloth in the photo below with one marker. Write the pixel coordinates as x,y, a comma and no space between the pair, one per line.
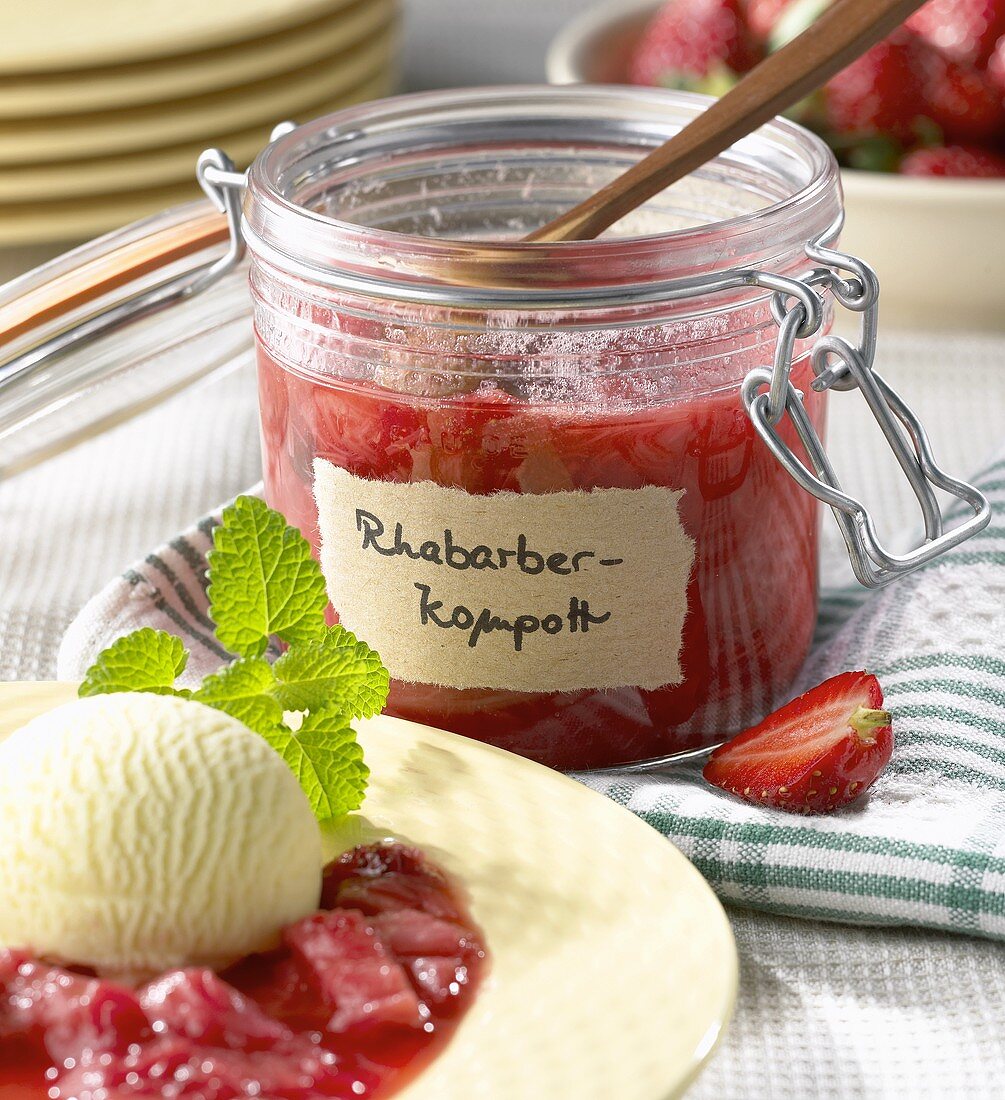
926,847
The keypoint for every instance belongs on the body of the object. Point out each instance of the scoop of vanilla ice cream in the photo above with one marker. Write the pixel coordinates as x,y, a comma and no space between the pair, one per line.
140,832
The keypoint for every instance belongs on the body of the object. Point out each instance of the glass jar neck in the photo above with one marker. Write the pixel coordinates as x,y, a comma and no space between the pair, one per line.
425,198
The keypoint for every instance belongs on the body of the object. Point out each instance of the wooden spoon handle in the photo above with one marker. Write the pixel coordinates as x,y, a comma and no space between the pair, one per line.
844,32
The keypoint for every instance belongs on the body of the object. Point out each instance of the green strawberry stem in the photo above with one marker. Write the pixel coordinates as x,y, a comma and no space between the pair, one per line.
864,720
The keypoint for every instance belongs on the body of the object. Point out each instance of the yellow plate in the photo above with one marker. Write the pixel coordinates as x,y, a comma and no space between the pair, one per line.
613,969
62,137
191,74
42,35
75,220
38,183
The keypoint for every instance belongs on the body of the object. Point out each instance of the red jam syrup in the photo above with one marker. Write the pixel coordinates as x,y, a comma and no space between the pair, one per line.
752,591
357,999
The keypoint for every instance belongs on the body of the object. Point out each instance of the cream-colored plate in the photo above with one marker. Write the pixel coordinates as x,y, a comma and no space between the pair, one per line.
34,223
191,74
62,137
30,183
42,35
613,969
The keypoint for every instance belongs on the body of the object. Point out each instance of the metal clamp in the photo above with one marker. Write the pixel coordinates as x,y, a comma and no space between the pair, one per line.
840,365
224,186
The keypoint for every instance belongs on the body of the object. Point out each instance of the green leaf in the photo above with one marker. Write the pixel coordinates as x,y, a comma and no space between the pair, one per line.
264,580
323,753
246,691
336,669
145,660
326,758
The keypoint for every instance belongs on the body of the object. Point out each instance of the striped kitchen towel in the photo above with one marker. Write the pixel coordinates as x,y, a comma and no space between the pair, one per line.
926,847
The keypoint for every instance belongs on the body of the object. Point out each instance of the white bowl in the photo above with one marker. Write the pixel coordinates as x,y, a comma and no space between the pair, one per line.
937,244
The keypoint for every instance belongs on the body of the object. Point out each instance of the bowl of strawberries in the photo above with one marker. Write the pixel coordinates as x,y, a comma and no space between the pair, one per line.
917,124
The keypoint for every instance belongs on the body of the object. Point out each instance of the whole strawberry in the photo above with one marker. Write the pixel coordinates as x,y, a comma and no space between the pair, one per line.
882,93
957,161
819,752
964,102
695,44
964,30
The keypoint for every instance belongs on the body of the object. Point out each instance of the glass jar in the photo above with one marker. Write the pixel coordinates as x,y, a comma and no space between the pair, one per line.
541,499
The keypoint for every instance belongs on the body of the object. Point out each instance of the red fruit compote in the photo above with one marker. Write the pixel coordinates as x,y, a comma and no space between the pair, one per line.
527,470
355,1001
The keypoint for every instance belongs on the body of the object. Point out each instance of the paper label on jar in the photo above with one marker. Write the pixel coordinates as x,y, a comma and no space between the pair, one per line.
516,591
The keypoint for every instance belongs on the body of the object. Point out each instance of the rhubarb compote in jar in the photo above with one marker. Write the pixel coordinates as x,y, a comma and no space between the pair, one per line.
526,469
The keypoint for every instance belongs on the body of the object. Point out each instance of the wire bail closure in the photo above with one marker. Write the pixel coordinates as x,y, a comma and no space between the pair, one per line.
768,395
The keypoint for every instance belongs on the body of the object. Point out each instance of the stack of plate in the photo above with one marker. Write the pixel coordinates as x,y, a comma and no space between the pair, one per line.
105,106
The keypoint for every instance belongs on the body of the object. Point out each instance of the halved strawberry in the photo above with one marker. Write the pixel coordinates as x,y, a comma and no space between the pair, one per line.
817,753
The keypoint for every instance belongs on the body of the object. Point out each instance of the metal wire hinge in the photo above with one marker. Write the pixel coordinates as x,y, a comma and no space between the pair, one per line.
769,395
224,187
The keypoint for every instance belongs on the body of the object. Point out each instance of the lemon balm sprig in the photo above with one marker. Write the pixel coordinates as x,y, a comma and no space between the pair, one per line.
264,584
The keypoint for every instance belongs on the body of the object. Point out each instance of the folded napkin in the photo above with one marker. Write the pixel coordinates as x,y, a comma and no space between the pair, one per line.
926,847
